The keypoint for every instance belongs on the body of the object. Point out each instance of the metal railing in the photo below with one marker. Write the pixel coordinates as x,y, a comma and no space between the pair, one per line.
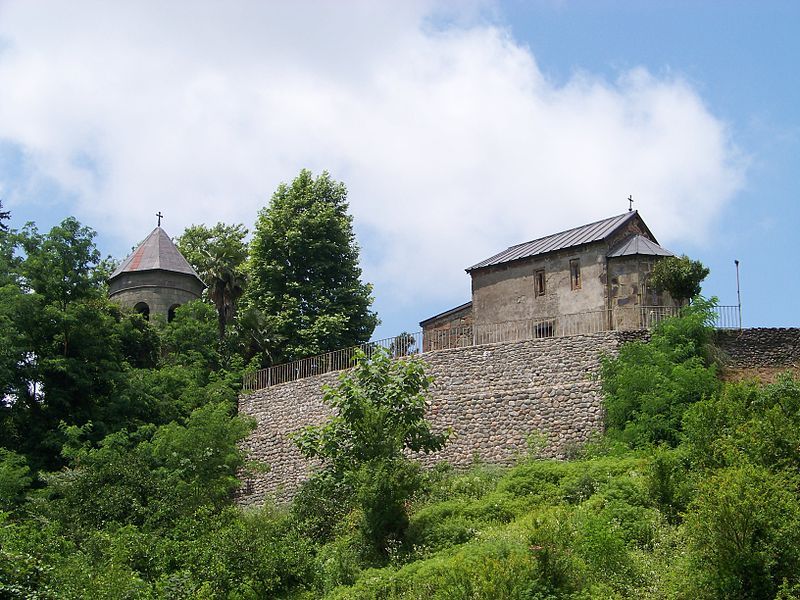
461,336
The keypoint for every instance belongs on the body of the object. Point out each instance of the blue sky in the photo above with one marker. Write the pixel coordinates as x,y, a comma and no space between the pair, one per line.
459,130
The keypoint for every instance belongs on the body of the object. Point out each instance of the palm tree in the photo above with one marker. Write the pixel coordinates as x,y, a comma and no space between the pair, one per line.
225,286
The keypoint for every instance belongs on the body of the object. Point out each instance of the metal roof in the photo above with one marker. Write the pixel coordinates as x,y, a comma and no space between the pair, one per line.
156,252
638,244
585,234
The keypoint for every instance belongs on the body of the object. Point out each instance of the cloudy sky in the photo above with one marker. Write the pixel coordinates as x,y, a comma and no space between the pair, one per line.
459,128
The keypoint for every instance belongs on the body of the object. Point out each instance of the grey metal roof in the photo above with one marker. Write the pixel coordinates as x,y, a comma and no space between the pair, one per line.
638,244
585,234
156,252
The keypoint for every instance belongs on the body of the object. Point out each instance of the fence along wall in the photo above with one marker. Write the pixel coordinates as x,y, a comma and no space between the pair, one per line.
493,396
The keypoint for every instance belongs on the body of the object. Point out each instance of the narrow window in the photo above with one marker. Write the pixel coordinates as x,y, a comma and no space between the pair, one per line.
575,273
142,309
171,313
538,282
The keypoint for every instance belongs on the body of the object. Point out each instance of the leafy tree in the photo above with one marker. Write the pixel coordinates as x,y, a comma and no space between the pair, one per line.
380,414
65,348
744,528
303,270
61,266
4,216
680,276
649,385
218,254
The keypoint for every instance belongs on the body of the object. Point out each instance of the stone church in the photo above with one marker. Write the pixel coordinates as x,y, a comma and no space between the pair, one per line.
155,279
595,272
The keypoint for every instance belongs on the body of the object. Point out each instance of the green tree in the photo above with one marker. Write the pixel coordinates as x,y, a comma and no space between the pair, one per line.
680,276
62,265
218,254
744,528
303,270
65,347
380,414
650,385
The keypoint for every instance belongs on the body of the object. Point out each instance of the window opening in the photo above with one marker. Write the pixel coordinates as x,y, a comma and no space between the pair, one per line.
142,309
171,312
539,282
575,273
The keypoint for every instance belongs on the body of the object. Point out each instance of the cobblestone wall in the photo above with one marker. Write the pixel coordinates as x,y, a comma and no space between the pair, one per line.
775,348
493,397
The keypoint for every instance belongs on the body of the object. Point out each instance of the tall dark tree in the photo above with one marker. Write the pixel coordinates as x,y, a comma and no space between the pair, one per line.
218,254
64,346
303,270
4,216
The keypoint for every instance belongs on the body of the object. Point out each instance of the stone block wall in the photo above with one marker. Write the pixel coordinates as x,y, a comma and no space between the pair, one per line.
493,397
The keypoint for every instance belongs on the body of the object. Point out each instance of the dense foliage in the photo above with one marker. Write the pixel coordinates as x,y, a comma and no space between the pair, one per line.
218,255
120,457
379,410
303,271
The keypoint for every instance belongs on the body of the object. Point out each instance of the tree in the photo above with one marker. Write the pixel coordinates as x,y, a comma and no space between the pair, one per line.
649,386
303,270
218,254
64,348
380,415
680,276
4,216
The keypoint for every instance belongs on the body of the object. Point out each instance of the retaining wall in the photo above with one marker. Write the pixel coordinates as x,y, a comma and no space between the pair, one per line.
492,396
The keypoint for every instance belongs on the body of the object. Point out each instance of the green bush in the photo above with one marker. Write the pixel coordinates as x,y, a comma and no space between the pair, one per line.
649,386
744,529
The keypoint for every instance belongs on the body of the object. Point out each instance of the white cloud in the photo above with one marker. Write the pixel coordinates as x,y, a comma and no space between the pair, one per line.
451,140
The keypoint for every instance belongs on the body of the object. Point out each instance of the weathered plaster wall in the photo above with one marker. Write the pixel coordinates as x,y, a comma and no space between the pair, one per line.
492,396
159,289
451,330
506,292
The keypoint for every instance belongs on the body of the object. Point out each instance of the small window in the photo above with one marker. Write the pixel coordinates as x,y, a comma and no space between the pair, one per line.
143,309
538,282
575,273
171,312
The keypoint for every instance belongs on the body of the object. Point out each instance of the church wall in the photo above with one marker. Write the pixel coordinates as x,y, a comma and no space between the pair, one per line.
159,289
493,397
507,292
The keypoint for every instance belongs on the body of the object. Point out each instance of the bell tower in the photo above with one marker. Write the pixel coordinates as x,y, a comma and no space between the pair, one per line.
155,279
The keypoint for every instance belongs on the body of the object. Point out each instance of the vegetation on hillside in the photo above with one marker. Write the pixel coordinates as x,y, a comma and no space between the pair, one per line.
120,456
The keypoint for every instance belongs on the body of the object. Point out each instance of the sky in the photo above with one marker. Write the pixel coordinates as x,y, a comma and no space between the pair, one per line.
459,128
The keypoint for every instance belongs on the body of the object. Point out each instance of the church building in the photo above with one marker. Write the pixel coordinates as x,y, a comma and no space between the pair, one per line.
592,277
155,279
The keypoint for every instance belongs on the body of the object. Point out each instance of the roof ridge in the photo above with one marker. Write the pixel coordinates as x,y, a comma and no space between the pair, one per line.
544,237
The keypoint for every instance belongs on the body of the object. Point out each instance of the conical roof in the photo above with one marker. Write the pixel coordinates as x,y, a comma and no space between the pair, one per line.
156,252
638,244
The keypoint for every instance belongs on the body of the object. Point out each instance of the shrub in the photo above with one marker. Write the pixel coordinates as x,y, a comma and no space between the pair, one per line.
649,386
744,528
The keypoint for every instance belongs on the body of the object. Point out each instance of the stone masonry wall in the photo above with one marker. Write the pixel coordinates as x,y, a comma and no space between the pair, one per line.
493,397
775,348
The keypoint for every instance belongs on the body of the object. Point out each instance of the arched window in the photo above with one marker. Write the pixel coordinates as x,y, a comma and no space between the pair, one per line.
142,309
171,312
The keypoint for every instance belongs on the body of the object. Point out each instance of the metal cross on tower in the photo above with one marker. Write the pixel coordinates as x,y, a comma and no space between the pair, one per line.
630,205
160,216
